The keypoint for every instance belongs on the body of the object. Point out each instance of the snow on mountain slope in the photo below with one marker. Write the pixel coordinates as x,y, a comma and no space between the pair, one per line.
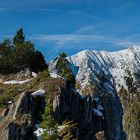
113,65
105,70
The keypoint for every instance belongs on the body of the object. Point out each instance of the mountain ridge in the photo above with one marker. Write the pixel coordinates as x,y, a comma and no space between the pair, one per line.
114,64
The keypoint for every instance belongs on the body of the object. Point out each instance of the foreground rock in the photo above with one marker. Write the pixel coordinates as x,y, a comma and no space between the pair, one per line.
19,118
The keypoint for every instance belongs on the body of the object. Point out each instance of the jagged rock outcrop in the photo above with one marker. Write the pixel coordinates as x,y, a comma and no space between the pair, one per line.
18,119
113,116
70,105
23,104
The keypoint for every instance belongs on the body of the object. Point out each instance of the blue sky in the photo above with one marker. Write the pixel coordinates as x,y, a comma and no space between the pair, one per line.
73,25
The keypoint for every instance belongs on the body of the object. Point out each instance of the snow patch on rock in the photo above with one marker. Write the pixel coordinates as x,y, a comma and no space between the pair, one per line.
16,81
39,92
98,112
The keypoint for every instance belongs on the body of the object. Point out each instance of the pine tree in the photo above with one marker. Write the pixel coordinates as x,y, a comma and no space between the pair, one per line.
24,55
19,38
38,62
6,56
62,55
49,123
20,54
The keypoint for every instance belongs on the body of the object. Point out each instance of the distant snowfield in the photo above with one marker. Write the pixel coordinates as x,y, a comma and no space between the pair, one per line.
17,82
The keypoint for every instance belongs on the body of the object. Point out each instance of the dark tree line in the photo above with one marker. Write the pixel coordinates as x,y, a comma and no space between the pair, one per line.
18,54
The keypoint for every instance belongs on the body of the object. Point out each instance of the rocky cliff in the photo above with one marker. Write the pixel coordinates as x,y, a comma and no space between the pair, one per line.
18,119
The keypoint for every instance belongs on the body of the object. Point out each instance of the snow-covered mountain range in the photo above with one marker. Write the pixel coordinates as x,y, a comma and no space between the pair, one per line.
112,66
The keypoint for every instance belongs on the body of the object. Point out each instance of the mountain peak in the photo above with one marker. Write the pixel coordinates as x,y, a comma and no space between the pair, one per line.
112,64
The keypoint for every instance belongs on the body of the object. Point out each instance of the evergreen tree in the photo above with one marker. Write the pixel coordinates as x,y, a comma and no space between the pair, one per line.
20,54
131,85
38,62
24,55
19,38
6,56
49,123
62,55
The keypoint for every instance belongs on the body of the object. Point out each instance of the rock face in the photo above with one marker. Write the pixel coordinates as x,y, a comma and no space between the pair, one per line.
70,105
113,115
18,121
23,104
92,113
